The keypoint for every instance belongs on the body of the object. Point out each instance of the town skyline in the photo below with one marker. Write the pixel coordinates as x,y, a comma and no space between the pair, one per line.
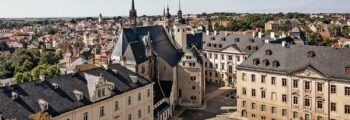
88,8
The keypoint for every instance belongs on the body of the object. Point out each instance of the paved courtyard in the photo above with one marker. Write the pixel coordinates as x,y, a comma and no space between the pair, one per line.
216,98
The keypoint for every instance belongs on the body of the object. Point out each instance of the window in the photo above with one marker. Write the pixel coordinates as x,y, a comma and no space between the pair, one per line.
284,112
263,77
244,76
307,117
263,107
215,56
273,80
262,94
295,83
253,105
244,91
347,109
229,57
273,109
139,96
295,114
295,100
129,100
333,89
222,57
103,92
148,93
347,90
85,116
284,82
238,58
149,109
129,117
116,106
193,87
253,92
256,61
253,77
319,104
307,86
222,66
284,98
139,113
253,115
307,102
230,69
333,106
244,103
347,70
102,111
263,117
319,118
319,86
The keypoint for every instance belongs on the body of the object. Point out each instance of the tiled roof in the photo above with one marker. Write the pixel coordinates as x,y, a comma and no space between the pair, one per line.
63,99
329,61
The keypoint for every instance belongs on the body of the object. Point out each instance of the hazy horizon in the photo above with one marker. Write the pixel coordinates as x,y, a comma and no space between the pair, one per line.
91,8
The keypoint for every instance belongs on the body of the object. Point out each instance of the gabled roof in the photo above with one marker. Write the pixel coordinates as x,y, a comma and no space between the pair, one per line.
161,44
331,62
63,99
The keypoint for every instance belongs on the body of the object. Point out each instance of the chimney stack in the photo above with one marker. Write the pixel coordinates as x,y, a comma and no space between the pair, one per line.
226,33
215,32
260,34
42,78
267,41
207,33
284,43
254,34
273,35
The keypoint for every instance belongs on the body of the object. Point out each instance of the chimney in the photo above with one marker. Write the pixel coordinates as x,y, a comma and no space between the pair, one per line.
207,32
225,33
273,35
42,77
253,34
260,34
215,32
267,41
284,43
14,96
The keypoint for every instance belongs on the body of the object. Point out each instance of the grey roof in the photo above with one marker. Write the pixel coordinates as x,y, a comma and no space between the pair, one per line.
246,43
62,100
331,62
195,39
222,41
161,44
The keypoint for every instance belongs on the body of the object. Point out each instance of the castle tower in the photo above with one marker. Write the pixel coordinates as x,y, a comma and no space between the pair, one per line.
133,15
180,30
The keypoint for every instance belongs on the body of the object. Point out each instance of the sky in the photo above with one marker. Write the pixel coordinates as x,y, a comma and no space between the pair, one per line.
85,8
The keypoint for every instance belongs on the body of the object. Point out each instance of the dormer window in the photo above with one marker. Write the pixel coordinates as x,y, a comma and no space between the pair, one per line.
266,62
347,70
255,48
209,45
214,45
79,95
220,46
133,78
44,105
236,39
268,52
251,40
248,47
14,95
212,38
311,54
54,85
223,38
275,63
256,61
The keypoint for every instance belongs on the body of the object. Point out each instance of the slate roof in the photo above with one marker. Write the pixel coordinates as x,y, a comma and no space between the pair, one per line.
63,99
195,39
330,62
161,44
245,42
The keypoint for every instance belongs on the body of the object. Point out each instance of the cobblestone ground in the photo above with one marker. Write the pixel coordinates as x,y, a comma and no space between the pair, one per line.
212,107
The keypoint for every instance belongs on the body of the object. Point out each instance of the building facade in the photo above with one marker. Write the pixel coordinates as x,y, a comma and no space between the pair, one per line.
294,82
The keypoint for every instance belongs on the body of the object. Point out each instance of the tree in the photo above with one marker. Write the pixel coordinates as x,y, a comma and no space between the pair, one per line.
41,116
48,58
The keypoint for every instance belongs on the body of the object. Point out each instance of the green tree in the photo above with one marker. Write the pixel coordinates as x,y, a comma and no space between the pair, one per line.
48,58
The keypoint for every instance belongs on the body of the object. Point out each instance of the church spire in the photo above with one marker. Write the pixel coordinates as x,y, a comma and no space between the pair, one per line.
179,18
133,15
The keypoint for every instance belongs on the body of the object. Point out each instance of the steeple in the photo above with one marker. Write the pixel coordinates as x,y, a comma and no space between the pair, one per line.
132,15
179,19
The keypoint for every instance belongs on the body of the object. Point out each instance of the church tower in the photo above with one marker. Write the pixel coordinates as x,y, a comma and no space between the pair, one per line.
100,18
133,15
180,30
167,19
